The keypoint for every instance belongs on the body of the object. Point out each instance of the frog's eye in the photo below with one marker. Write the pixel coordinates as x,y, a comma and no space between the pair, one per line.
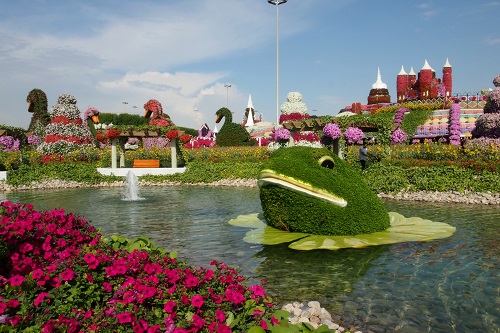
326,162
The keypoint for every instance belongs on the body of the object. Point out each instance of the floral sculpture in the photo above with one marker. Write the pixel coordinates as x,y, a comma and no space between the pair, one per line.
66,131
91,117
154,111
493,98
231,134
37,104
312,190
293,108
455,113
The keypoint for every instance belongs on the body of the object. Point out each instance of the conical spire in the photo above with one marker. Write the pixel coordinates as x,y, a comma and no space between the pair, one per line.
250,105
427,66
379,84
402,72
250,109
447,64
412,72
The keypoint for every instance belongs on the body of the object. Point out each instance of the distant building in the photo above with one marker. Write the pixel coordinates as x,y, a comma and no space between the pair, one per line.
379,92
424,86
409,87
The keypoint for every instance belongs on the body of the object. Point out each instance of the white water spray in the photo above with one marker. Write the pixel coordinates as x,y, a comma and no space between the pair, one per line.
131,192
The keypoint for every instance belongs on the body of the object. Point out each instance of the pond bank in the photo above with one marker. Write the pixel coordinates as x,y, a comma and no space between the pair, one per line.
473,198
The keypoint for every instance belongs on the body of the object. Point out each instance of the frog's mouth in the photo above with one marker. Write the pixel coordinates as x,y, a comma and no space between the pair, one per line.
269,177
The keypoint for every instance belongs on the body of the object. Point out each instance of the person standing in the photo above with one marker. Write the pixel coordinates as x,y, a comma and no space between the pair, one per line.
363,155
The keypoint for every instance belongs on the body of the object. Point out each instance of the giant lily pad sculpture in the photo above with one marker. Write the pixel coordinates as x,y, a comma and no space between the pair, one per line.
314,199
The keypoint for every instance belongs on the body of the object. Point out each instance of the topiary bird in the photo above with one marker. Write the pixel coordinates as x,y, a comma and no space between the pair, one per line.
231,134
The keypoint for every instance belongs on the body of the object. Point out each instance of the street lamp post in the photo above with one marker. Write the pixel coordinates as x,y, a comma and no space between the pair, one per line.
125,103
227,94
277,3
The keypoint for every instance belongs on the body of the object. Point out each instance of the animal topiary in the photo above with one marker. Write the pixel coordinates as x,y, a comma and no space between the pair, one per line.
38,105
311,190
231,134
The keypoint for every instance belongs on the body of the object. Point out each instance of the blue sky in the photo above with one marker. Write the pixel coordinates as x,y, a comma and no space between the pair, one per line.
183,53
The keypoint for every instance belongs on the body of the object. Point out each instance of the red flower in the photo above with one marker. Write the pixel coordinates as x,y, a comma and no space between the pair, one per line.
172,134
124,317
16,280
197,301
67,275
185,138
113,134
39,299
169,306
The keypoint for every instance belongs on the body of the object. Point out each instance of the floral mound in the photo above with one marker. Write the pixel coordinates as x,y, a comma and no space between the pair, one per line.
402,229
57,274
311,190
66,132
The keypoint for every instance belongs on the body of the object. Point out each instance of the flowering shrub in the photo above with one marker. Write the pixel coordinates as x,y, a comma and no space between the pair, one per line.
496,81
281,134
59,274
159,143
332,130
488,125
172,134
455,124
398,117
9,144
306,136
113,134
185,138
293,116
33,140
353,135
399,136
132,143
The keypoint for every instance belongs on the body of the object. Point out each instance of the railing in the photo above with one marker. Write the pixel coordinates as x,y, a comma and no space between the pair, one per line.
469,100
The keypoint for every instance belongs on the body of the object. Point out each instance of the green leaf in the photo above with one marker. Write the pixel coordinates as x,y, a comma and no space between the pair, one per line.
402,229
256,329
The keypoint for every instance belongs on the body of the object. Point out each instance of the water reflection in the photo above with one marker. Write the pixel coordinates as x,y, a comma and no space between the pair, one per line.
447,285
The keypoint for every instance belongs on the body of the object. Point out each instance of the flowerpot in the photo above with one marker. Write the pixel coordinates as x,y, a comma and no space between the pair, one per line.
138,133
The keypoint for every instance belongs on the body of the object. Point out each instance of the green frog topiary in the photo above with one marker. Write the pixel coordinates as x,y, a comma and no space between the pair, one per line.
311,190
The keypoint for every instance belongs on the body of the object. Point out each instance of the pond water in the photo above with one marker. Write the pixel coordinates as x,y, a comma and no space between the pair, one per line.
448,285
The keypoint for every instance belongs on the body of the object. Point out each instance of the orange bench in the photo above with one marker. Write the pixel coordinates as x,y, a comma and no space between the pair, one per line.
146,163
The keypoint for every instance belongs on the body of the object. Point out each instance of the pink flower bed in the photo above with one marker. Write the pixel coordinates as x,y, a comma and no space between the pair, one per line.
58,274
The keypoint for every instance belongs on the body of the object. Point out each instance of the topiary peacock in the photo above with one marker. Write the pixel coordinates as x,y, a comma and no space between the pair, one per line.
231,134
154,111
38,105
91,117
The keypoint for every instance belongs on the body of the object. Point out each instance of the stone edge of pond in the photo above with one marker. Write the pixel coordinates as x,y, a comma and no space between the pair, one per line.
475,198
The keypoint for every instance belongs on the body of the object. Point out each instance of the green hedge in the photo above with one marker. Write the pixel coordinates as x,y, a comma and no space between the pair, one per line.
382,178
